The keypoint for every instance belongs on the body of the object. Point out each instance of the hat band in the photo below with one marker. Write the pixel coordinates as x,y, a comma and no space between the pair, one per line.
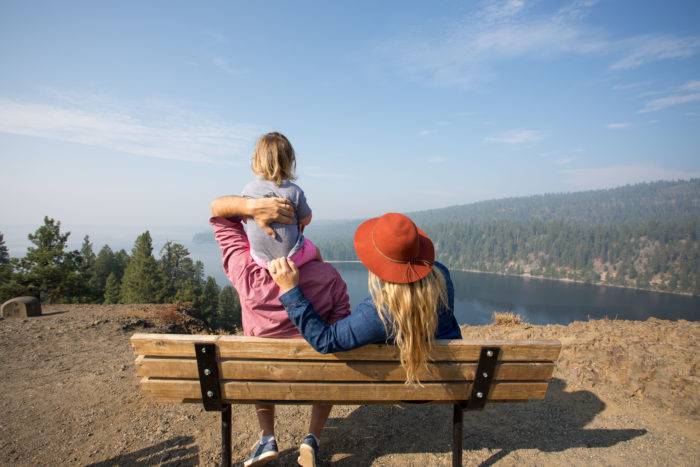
409,270
374,244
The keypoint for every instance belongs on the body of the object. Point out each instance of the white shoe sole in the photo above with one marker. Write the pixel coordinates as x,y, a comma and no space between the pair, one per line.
261,460
307,456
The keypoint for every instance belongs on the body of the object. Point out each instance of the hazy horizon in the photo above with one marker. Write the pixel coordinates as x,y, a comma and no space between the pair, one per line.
136,115
123,236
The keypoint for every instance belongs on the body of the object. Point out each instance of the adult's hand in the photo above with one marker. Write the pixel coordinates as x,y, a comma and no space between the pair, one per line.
284,272
265,211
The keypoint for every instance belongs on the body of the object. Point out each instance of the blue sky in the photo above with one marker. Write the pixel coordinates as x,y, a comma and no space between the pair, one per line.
139,113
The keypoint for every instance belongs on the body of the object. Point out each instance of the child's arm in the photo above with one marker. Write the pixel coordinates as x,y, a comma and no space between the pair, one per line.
304,222
303,210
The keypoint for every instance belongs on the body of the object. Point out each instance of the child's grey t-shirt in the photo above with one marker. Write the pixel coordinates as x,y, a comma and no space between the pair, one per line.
288,237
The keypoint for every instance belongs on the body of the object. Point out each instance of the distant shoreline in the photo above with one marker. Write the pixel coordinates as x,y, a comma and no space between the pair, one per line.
573,281
529,276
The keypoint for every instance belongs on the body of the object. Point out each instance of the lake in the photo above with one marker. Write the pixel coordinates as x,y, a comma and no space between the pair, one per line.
538,301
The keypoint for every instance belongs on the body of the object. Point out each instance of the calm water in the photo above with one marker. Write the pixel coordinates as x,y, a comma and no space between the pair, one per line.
537,301
542,301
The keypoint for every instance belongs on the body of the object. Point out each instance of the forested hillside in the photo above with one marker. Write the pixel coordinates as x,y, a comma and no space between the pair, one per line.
644,235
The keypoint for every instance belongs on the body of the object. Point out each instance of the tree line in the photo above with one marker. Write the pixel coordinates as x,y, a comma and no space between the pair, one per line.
653,255
55,274
644,235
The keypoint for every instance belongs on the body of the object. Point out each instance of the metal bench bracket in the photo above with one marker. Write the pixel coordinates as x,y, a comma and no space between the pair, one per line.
208,376
483,378
208,371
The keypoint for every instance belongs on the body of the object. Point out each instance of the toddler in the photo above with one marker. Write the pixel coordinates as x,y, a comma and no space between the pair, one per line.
273,164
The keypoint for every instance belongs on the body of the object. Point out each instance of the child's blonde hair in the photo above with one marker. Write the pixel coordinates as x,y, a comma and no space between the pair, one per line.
412,310
273,158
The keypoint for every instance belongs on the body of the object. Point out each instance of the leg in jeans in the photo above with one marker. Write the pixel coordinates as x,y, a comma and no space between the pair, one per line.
319,415
266,418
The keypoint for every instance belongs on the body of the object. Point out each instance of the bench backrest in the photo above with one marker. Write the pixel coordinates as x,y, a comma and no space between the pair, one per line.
254,369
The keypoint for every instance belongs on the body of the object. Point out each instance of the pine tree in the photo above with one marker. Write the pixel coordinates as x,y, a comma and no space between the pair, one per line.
181,278
87,255
141,282
87,272
48,271
111,293
4,253
105,264
209,301
191,289
121,258
229,309
8,285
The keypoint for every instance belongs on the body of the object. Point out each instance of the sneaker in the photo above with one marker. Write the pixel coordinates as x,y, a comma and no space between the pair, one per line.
262,453
308,451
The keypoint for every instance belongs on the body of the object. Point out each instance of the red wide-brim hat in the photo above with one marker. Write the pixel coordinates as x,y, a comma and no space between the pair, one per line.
394,248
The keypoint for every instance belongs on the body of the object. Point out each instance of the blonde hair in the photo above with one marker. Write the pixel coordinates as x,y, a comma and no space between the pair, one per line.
410,315
274,158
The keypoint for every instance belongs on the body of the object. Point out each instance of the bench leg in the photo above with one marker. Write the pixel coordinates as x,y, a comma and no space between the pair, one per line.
457,417
226,435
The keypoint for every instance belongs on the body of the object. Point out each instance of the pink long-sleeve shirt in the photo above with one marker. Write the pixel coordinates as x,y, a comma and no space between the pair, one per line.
263,314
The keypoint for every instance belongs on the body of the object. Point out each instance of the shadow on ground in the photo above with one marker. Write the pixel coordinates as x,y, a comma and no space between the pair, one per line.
373,431
179,450
553,425
52,313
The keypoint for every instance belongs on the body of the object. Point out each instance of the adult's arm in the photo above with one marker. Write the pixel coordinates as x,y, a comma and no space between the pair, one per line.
362,327
264,211
227,212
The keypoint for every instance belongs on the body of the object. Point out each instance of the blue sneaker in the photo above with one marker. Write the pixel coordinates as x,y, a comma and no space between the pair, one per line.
308,451
262,453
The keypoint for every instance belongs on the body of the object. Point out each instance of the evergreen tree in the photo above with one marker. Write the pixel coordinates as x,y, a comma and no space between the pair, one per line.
48,271
209,301
87,272
111,291
105,264
181,277
141,282
229,309
191,289
121,259
8,286
87,256
4,253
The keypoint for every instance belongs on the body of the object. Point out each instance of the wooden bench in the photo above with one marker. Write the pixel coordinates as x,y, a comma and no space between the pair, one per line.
218,371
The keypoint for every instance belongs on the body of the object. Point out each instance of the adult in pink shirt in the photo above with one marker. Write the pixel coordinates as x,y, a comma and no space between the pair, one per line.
263,314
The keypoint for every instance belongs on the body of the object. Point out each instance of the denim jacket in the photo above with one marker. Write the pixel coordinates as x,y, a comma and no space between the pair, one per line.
363,326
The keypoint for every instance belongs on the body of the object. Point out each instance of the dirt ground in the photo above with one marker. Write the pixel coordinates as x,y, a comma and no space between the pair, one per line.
624,393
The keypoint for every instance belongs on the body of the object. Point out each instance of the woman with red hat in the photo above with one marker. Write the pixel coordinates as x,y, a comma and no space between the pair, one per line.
411,296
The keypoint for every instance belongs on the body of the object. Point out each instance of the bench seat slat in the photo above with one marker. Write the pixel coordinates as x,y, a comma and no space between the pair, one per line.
189,391
290,370
170,345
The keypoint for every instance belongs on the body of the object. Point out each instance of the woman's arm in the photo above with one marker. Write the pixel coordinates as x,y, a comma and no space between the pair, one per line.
362,327
264,211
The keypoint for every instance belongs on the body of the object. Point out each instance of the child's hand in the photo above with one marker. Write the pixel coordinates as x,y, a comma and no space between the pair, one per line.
284,272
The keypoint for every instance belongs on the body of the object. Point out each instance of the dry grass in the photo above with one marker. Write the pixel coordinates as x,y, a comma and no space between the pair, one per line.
171,316
506,318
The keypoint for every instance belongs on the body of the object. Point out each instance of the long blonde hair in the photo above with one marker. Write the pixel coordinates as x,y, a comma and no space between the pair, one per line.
410,315
274,158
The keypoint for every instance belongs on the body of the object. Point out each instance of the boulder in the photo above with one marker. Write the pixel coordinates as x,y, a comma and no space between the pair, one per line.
21,307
